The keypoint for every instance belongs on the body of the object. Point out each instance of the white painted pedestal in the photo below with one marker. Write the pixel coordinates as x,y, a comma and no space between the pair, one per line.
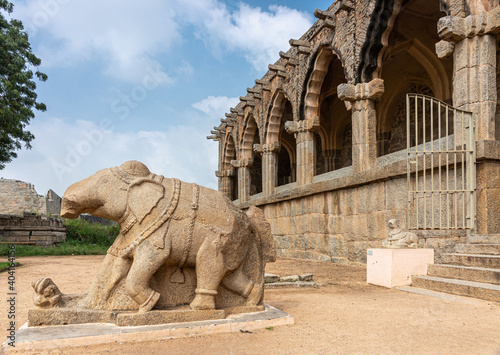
394,267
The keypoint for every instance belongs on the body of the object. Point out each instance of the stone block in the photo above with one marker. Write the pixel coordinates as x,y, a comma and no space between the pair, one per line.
377,225
396,192
306,277
335,224
372,198
270,278
290,278
316,223
332,203
317,242
395,267
337,245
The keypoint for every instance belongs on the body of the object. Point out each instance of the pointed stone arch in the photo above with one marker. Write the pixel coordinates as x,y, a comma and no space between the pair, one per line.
273,126
229,153
379,30
250,130
315,82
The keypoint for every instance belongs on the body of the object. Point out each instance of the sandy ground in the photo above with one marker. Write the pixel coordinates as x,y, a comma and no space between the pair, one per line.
345,316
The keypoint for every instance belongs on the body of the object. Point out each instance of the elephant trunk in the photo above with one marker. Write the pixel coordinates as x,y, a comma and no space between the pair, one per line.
76,200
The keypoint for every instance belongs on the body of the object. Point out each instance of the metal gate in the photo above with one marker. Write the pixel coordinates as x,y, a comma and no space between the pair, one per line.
441,165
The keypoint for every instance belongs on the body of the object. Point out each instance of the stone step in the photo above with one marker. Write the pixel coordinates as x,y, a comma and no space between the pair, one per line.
485,239
487,261
488,249
467,273
458,287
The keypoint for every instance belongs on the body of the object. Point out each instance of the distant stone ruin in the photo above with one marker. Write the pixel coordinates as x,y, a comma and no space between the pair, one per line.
17,197
31,228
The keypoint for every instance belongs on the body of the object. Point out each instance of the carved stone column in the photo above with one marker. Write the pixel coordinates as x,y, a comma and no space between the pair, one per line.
225,182
269,166
243,178
361,99
306,148
472,43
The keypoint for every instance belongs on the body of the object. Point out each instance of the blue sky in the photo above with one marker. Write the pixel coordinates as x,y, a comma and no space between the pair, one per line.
144,80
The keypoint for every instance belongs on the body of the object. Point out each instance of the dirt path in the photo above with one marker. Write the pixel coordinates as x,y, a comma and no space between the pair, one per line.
345,316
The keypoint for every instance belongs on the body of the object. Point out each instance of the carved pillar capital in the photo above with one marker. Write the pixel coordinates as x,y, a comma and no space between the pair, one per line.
309,125
244,163
225,173
372,90
455,29
267,148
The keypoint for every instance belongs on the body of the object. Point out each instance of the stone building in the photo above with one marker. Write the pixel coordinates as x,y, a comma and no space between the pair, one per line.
17,197
323,141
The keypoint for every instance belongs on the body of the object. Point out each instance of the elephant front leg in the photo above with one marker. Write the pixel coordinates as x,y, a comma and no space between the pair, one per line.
210,270
147,260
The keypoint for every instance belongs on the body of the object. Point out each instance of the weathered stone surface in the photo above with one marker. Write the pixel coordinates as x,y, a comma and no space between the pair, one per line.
356,147
270,278
65,316
17,197
290,278
179,243
31,228
306,277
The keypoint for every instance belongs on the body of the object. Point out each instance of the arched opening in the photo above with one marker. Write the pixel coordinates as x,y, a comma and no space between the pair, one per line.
251,137
287,154
408,64
286,159
321,100
230,155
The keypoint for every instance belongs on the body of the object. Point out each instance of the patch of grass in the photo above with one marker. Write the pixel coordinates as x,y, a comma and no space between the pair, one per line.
70,247
91,233
270,328
4,266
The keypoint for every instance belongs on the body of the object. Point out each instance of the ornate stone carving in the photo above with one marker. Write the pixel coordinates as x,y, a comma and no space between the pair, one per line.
399,239
179,243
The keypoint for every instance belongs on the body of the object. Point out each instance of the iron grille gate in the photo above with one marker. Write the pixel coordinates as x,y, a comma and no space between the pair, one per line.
441,165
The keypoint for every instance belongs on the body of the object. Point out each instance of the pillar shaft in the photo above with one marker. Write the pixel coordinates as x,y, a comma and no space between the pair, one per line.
474,80
361,98
269,172
306,148
364,135
306,157
226,178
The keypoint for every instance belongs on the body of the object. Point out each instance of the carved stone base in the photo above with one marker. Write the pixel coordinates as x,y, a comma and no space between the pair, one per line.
395,267
64,316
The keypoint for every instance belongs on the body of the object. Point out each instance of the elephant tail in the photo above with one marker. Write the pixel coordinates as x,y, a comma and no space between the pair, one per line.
262,231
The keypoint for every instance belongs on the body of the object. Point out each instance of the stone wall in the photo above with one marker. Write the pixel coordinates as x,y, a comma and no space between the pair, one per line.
30,228
17,197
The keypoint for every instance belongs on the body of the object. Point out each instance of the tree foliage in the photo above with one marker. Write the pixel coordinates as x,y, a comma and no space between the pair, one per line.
17,88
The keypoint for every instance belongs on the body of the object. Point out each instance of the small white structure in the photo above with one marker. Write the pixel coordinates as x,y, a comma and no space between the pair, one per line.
395,267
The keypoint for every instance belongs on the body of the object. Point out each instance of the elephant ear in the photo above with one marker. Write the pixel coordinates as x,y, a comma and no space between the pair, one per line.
143,196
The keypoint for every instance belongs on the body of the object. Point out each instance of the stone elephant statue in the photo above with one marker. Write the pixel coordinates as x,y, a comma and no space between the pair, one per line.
191,238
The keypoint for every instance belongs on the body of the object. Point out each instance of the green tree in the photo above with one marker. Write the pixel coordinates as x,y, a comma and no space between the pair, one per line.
17,88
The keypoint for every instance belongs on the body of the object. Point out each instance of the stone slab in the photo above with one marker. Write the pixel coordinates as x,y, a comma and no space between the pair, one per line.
60,316
395,267
67,336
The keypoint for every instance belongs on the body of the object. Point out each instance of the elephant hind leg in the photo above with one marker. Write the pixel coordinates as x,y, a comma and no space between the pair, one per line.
210,270
238,282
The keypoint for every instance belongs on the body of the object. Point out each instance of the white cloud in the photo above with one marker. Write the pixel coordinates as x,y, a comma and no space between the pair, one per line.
84,147
216,106
258,34
128,36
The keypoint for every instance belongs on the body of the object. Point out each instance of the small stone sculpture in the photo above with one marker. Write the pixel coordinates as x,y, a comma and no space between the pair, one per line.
399,239
179,243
